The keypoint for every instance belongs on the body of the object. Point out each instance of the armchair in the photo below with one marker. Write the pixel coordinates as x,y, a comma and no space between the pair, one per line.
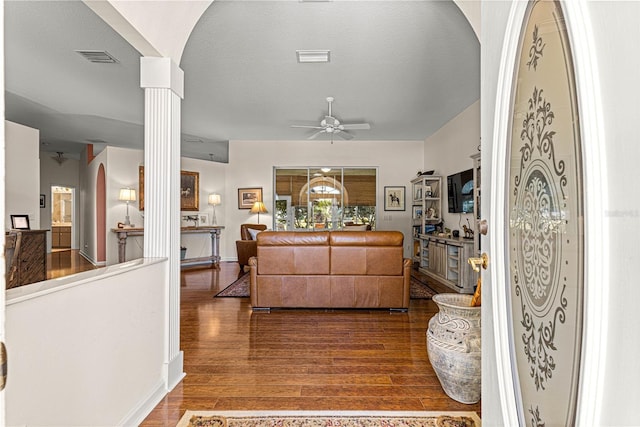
247,247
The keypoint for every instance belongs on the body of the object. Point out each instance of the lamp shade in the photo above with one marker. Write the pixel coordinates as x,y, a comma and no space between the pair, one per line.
214,199
258,207
127,195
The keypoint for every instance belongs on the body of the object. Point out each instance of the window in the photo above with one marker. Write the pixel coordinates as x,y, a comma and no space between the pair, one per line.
312,198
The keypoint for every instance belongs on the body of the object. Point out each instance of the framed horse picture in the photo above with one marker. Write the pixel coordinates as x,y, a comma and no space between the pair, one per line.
189,190
394,198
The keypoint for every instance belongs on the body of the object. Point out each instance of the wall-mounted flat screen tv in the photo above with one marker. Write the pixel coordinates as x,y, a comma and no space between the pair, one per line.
460,192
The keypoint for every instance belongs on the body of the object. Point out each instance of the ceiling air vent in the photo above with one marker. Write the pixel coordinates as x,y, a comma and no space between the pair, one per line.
97,56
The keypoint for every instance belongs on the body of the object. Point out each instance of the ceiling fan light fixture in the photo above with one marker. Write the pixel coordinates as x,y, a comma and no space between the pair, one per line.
59,157
306,56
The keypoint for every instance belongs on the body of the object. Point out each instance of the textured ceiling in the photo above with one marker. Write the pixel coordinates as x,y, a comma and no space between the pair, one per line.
404,67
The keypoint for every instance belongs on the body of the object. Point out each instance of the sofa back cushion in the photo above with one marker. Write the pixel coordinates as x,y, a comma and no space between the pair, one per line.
366,253
290,252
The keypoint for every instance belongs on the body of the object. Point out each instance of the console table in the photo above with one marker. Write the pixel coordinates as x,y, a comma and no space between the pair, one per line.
214,232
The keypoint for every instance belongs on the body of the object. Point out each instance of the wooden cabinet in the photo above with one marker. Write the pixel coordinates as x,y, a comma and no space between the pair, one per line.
446,261
61,236
26,257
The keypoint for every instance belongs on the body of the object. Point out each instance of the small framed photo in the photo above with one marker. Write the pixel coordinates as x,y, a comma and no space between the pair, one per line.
394,198
20,222
203,219
42,201
417,212
248,196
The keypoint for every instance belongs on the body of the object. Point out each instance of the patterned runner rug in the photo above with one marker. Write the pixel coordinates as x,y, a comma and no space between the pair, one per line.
328,418
240,288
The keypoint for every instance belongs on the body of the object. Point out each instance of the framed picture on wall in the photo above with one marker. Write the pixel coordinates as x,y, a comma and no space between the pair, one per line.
43,204
189,190
248,196
394,198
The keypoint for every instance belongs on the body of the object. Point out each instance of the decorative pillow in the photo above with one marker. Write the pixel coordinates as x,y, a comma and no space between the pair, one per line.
362,227
253,232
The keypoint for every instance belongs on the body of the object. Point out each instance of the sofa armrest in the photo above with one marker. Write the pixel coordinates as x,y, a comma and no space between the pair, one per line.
246,249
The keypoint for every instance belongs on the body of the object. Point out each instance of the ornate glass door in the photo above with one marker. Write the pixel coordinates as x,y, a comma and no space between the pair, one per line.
546,236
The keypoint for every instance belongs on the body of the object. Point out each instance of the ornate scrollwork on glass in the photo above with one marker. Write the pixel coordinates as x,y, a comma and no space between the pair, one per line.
536,420
536,50
539,243
536,134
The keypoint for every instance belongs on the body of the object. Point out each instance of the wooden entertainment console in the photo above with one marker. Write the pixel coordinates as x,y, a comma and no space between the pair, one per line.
445,260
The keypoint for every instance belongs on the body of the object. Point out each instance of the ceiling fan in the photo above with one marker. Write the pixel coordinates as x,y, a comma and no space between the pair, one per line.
332,126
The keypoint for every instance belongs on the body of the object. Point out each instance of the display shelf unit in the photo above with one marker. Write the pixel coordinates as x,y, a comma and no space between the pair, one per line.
444,259
426,202
426,205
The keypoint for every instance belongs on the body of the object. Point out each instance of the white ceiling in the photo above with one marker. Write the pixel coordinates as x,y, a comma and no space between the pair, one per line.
405,67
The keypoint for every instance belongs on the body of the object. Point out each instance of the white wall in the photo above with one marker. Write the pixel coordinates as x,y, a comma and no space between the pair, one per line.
66,174
449,151
87,351
121,169
615,31
212,180
22,173
251,165
87,201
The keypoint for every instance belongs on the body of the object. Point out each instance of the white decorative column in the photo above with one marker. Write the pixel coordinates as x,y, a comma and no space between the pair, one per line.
163,84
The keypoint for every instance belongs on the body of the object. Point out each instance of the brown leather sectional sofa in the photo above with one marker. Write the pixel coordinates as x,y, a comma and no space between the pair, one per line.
330,269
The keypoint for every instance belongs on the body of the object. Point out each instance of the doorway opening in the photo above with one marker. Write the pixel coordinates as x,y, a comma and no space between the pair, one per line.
62,217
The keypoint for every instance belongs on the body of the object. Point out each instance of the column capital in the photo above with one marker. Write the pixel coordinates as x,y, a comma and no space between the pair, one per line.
156,72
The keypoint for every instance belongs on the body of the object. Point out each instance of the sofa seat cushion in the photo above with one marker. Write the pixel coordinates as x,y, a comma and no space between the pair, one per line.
329,291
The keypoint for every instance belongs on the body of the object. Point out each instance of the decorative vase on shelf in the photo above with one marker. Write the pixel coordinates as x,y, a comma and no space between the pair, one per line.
453,345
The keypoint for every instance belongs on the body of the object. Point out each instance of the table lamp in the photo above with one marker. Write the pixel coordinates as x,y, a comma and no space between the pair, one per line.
214,200
127,195
258,207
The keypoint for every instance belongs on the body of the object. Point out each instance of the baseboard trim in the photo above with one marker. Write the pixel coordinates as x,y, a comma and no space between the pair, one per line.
145,407
174,371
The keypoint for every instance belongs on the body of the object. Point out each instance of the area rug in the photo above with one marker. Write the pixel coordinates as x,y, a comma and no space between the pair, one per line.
240,288
328,418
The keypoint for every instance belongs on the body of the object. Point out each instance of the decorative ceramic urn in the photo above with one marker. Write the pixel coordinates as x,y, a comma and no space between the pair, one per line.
453,345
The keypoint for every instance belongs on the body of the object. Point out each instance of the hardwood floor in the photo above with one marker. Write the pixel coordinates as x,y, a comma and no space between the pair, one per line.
64,262
236,359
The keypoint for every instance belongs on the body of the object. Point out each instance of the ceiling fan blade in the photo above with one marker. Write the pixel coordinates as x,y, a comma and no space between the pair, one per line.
316,134
307,127
344,135
356,126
